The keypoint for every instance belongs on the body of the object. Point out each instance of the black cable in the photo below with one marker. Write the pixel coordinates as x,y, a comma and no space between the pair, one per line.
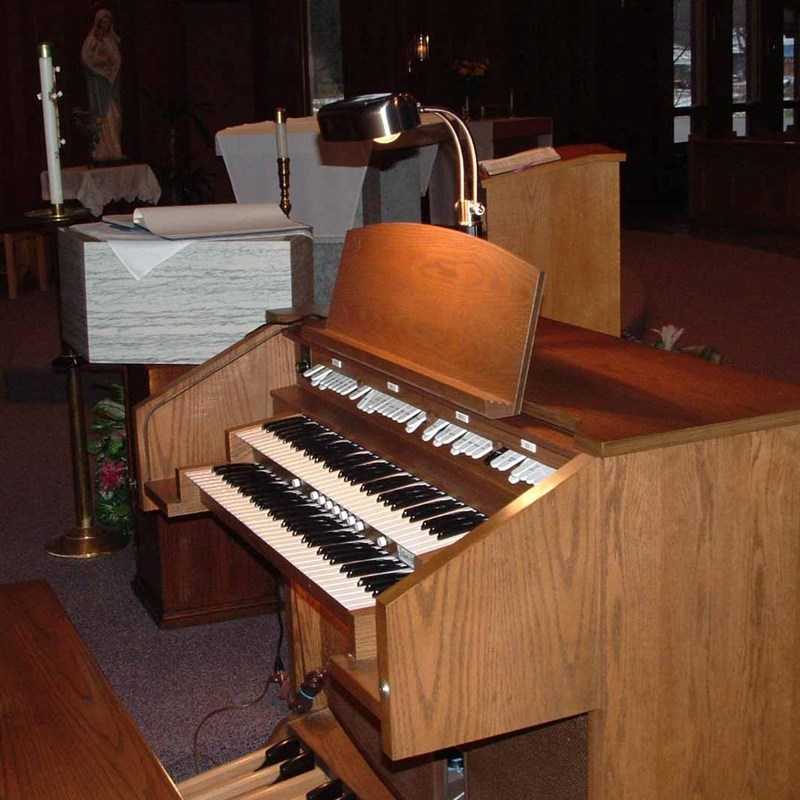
233,707
278,676
277,665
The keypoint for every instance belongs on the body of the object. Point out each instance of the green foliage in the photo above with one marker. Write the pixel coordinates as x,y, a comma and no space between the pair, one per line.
108,444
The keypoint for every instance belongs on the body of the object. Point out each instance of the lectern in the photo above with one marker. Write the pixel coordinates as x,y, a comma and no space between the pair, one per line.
564,218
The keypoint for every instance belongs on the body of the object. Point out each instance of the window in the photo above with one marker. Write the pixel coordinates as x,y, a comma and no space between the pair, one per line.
741,88
682,97
790,68
325,52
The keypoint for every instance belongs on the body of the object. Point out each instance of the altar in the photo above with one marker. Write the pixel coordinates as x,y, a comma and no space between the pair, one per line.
334,186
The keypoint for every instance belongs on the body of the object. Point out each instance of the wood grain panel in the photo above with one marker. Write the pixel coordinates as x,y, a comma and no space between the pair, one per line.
314,634
193,570
63,733
323,734
185,424
564,218
619,396
411,779
399,290
500,631
658,590
702,602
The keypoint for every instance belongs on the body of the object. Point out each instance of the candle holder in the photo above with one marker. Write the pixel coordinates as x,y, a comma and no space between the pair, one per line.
282,147
283,183
85,539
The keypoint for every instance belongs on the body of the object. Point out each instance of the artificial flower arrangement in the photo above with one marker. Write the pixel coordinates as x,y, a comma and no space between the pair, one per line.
108,444
470,68
668,336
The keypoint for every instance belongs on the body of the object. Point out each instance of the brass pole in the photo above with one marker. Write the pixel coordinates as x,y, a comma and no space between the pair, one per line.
85,540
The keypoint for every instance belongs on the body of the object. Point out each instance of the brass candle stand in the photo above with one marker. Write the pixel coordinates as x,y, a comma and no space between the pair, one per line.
85,540
283,183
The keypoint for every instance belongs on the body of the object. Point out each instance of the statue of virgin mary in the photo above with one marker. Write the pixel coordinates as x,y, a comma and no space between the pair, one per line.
102,60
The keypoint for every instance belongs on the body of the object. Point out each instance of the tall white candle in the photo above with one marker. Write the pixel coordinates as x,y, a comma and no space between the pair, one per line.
280,133
51,131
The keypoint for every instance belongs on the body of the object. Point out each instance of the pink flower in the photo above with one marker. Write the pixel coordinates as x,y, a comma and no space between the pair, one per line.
112,474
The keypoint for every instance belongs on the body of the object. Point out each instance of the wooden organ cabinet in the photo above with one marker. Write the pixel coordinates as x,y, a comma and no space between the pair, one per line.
616,617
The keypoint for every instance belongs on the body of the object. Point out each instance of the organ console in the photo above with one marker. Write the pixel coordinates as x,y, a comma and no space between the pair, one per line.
571,558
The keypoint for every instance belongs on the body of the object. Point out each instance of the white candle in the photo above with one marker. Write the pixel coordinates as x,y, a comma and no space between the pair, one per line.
51,131
280,133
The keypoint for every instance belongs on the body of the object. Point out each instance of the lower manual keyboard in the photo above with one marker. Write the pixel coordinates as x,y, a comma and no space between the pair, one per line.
342,562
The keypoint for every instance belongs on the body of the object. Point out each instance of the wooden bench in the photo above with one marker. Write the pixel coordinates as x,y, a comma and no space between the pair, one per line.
63,733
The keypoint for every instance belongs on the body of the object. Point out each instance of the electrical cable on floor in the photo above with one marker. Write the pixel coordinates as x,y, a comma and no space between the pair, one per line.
278,677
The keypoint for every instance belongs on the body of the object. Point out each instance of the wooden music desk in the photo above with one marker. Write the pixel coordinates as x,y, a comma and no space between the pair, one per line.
63,733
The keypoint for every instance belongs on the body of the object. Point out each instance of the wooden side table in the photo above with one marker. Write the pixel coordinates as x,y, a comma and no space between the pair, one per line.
17,268
64,732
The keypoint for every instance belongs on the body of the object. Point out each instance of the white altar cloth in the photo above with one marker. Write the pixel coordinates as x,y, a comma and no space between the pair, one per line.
326,177
96,187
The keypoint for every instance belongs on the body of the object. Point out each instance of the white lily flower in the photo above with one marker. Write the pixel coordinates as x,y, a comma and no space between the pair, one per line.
669,335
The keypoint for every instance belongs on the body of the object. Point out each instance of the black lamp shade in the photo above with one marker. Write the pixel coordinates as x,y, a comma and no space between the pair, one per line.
368,116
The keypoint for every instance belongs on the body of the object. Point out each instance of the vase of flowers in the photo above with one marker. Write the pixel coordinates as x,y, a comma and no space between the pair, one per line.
470,74
108,444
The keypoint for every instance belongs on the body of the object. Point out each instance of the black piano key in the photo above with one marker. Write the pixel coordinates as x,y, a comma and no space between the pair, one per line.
370,581
432,509
355,460
453,528
456,516
341,452
375,566
318,539
287,748
370,473
306,442
377,588
332,790
391,495
363,548
295,766
279,424
388,484
414,497
350,471
466,528
241,466
352,557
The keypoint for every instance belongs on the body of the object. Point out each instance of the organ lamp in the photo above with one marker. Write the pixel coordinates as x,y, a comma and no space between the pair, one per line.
383,117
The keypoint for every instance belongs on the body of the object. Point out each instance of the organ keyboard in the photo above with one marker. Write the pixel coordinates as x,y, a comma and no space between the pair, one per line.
536,552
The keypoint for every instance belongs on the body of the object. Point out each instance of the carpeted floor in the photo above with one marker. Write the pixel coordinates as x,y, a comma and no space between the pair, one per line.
168,680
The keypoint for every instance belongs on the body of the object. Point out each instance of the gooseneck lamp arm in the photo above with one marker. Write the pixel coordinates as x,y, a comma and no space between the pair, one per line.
468,210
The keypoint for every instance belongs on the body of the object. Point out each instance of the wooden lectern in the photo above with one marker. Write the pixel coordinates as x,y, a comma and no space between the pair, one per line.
563,217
